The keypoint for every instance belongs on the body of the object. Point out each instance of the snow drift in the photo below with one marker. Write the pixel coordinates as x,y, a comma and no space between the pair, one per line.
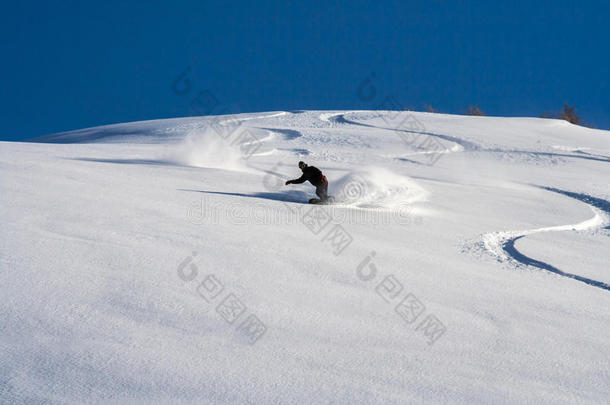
376,187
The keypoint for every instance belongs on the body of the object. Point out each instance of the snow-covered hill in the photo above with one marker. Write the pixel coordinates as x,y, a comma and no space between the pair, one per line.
464,261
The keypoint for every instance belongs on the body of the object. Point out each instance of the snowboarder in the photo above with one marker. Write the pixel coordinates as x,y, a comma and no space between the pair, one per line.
315,177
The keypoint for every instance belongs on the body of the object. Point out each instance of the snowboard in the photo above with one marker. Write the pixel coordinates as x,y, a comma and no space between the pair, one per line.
318,201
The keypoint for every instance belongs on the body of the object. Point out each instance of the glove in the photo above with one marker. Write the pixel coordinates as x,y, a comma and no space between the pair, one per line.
288,182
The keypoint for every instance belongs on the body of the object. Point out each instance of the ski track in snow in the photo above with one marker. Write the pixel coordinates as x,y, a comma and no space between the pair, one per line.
256,117
502,244
288,135
270,135
462,145
597,158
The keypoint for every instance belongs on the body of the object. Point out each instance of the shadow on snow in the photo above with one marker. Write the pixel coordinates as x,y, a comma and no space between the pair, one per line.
294,196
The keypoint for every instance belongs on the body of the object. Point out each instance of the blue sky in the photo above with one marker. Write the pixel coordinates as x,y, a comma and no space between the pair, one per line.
78,64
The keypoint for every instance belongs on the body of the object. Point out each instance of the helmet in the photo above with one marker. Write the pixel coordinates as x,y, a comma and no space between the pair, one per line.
302,165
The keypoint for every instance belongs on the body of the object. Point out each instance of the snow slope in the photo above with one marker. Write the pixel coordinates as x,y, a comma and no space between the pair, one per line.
465,261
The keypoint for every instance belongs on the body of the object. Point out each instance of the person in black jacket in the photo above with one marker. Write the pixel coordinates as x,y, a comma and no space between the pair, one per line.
315,177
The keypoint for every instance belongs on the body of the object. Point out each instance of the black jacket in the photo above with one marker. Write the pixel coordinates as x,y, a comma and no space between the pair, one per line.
311,174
